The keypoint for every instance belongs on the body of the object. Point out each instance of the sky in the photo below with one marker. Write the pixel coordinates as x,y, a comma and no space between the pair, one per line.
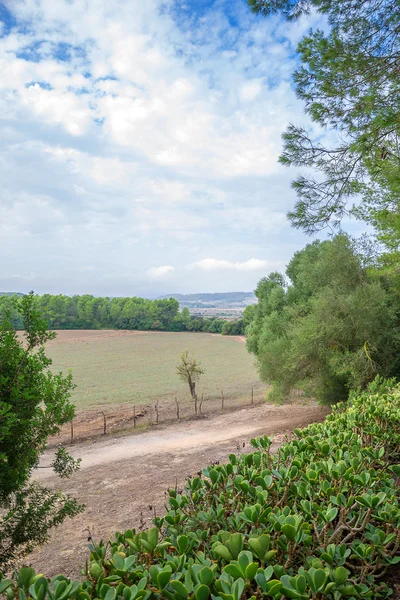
139,146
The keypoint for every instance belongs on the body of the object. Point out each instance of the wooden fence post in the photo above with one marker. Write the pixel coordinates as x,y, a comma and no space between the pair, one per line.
222,399
177,408
134,415
156,409
104,424
252,395
72,432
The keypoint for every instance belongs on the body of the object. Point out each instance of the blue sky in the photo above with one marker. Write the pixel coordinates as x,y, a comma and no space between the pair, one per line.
140,144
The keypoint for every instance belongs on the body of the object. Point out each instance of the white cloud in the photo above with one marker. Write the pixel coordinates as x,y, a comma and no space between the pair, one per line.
250,90
59,108
160,272
213,264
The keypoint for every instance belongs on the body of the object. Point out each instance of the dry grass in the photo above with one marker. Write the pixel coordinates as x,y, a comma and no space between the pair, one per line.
113,367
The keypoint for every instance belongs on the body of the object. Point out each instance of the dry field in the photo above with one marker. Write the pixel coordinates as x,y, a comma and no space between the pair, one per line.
135,367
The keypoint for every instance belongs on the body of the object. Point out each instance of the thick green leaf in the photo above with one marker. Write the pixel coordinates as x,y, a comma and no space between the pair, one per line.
25,577
5,584
319,578
251,570
163,578
183,543
205,576
236,544
179,588
110,595
289,531
223,552
202,592
237,588
152,537
234,571
340,575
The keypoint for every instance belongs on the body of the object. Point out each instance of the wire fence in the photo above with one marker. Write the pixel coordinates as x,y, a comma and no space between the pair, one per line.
112,420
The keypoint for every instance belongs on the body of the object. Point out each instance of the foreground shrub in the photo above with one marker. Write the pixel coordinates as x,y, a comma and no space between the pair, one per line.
34,404
319,519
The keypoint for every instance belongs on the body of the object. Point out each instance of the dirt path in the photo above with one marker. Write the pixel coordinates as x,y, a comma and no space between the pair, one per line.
123,480
185,437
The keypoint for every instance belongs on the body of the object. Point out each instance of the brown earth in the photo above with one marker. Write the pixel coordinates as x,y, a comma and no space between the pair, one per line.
393,580
125,418
67,336
123,481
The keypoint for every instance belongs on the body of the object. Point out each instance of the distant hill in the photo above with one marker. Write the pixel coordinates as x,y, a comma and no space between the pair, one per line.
11,294
224,299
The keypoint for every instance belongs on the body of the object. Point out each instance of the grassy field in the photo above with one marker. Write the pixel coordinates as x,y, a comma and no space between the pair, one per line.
112,367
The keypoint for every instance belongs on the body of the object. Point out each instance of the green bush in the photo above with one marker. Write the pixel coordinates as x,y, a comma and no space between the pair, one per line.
34,404
319,519
329,327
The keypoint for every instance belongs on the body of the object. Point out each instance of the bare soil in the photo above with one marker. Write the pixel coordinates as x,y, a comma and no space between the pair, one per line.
125,418
66,336
123,481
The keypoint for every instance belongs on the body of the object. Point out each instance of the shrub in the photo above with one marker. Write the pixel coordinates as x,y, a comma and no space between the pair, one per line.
319,519
34,404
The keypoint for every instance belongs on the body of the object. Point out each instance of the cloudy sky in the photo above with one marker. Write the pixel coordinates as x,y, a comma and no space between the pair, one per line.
139,144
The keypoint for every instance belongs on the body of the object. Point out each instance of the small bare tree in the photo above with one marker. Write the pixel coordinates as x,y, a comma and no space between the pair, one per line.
189,370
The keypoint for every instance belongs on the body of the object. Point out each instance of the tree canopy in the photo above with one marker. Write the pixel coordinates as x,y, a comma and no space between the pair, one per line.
329,327
349,81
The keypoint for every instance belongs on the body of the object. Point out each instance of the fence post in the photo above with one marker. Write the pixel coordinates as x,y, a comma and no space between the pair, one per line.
201,403
104,423
252,395
177,408
222,399
134,415
156,409
72,432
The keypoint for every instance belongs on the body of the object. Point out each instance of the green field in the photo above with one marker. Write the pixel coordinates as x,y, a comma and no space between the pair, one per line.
112,367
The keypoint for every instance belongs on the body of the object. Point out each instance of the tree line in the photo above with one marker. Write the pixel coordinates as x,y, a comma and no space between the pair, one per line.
89,312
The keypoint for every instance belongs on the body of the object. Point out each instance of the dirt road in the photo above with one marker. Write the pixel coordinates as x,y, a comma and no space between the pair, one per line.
123,480
185,437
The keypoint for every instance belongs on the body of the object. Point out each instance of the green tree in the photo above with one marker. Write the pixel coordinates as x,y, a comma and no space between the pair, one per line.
248,314
233,327
189,370
33,405
216,326
349,81
331,327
